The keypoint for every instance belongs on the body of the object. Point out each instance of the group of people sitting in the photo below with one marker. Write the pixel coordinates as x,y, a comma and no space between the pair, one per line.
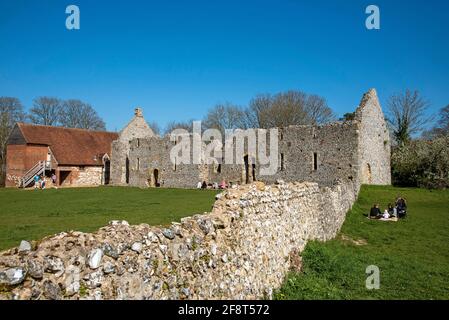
215,185
396,211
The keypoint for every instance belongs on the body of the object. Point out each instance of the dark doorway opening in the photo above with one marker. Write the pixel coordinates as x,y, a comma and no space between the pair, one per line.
127,170
107,171
156,178
63,176
245,159
253,168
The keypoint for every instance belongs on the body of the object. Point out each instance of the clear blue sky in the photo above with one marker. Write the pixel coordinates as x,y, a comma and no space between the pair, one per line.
176,59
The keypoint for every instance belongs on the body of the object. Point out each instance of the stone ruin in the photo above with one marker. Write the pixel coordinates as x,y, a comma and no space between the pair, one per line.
356,150
242,249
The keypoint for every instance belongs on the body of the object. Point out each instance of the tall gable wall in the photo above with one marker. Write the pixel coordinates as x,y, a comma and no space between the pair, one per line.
374,142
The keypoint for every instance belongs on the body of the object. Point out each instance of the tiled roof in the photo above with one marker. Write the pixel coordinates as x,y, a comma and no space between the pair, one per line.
70,146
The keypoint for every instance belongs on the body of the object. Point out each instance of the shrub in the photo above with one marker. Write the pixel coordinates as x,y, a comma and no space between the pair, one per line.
422,163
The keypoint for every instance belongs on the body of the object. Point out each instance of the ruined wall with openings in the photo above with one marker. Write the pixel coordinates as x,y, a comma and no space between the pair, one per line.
374,141
136,128
356,150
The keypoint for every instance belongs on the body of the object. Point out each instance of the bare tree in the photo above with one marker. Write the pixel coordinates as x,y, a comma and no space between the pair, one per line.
77,114
46,111
442,126
318,112
186,125
288,108
11,111
225,116
258,110
155,127
407,115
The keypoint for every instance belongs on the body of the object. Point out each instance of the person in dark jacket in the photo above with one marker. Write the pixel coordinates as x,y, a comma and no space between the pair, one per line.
375,212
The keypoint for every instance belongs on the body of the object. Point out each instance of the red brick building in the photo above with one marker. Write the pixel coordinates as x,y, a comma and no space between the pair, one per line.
78,157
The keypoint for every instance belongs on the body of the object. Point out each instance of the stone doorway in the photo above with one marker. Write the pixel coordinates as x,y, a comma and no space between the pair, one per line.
127,170
107,171
246,161
249,169
156,178
367,174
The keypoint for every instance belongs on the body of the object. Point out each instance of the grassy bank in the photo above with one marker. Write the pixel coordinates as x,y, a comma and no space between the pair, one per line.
412,254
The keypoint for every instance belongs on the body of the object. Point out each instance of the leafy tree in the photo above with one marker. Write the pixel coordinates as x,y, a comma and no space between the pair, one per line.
422,163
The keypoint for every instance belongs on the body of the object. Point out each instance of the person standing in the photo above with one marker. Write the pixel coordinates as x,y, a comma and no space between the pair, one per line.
36,181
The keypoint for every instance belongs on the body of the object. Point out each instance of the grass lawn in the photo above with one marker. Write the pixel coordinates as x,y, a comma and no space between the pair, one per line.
31,215
412,254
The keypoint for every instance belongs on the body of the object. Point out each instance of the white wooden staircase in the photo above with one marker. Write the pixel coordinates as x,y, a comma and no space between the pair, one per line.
38,169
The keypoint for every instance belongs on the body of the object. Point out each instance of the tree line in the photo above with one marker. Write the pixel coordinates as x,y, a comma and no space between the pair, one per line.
265,111
420,155
414,132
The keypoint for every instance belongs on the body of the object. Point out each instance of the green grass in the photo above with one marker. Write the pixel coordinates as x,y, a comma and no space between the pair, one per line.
412,254
33,214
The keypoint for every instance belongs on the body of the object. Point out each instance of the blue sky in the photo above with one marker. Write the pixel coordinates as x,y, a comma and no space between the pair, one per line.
177,59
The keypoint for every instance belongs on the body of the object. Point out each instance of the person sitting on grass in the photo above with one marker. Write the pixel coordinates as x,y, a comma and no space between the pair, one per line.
401,207
392,210
386,215
375,212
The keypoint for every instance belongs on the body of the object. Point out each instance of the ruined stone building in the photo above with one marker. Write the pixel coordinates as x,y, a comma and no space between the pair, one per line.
356,150
78,157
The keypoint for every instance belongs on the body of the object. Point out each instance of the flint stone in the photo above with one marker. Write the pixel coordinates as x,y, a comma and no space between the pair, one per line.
108,268
72,280
13,276
25,246
168,233
94,258
137,247
118,222
35,269
206,225
51,290
152,237
110,251
94,279
54,265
